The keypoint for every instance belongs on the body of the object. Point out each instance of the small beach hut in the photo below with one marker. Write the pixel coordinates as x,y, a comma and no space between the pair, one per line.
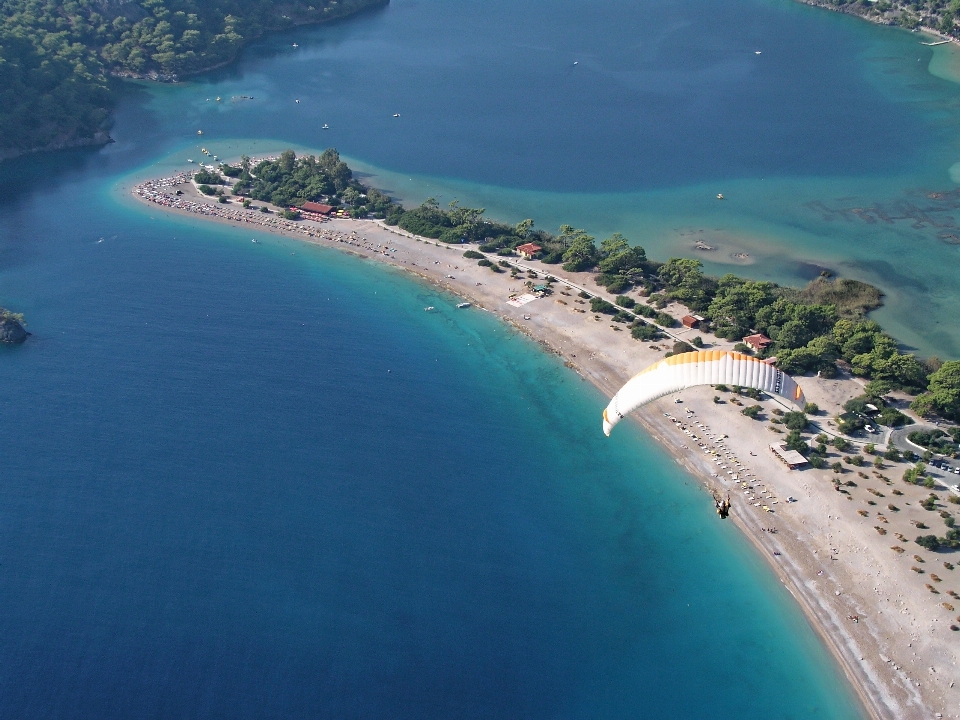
791,458
691,321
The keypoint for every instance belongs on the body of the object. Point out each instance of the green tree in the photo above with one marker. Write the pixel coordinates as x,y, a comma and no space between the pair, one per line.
581,253
943,393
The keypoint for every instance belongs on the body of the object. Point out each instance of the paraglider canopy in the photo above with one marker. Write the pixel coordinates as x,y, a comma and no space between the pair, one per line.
709,367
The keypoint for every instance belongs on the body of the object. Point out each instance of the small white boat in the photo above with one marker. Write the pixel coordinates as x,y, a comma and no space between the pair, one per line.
463,305
396,114
325,127
189,160
199,132
218,98
428,308
576,62
295,45
297,102
719,196
254,240
756,52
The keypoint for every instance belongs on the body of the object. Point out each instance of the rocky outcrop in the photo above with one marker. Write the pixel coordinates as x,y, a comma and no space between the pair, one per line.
12,331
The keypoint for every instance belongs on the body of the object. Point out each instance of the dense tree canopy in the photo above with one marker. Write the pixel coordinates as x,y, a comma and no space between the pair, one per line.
943,394
56,56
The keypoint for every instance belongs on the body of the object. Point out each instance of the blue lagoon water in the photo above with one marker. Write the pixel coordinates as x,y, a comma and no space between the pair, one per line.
257,480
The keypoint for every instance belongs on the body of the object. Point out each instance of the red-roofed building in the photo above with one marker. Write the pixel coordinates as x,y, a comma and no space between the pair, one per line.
316,208
528,250
691,321
757,342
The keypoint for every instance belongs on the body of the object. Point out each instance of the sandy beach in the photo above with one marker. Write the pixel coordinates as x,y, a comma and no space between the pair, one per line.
884,613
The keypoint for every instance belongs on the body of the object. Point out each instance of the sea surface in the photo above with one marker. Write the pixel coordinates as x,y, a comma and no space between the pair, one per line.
257,480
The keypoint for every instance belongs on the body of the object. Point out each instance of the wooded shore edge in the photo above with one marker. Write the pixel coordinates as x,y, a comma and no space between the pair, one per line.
60,63
937,17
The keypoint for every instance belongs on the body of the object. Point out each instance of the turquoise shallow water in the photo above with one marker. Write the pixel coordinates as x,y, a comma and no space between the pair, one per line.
258,480
215,498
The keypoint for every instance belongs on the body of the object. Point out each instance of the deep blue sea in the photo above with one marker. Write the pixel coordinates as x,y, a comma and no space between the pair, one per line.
256,480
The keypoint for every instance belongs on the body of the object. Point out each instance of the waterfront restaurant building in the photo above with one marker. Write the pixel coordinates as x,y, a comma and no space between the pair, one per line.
316,208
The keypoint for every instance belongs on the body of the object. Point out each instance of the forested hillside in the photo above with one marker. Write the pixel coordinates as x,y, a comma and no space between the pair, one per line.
57,57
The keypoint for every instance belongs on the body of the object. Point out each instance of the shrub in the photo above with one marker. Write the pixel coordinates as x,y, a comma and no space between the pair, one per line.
642,331
625,302
817,462
246,203
264,209
892,454
752,411
599,305
840,443
289,214
811,408
618,284
222,199
473,255
483,262
697,342
795,420
722,388
681,347
206,190
928,542
742,348
584,294
504,264
665,319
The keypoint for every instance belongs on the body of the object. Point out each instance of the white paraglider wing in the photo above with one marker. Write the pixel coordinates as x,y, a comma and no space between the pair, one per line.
709,367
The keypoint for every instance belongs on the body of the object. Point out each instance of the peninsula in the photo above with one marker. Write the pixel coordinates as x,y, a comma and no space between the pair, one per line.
851,501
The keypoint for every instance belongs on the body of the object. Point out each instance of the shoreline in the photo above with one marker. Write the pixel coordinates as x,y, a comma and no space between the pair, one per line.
606,359
845,10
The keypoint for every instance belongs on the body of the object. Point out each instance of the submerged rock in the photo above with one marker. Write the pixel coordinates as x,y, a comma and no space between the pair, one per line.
12,331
